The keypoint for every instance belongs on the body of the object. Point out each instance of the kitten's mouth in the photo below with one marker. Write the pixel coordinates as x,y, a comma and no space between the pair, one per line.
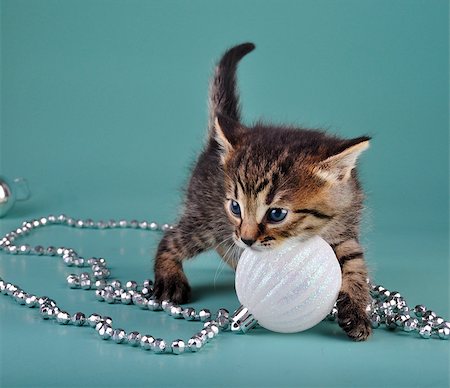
254,247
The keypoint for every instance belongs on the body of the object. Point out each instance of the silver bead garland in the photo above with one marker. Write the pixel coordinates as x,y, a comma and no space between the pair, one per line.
388,308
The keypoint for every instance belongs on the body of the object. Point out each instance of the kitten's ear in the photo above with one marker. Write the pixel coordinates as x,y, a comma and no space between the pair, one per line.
338,167
227,133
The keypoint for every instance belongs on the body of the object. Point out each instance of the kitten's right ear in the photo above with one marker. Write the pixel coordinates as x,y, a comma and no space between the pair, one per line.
227,133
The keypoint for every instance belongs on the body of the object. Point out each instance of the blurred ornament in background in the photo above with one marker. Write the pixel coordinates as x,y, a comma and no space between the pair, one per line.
12,191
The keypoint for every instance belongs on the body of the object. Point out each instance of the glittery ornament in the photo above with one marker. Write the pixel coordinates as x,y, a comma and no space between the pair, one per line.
290,288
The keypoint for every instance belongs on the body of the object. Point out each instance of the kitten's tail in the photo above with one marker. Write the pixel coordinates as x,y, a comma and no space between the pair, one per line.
223,94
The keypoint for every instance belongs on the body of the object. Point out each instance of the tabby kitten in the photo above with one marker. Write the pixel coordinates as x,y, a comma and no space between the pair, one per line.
256,186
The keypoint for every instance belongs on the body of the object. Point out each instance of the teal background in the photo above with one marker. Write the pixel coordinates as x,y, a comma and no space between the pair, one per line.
103,109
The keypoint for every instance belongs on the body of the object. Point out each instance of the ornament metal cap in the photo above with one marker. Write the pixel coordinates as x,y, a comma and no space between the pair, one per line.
242,320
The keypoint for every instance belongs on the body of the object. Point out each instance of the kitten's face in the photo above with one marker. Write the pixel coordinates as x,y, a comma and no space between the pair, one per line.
280,184
272,198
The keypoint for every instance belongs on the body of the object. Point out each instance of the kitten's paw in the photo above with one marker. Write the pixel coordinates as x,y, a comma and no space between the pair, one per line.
353,318
173,287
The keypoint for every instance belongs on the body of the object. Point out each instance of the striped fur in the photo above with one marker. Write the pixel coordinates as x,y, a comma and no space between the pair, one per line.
310,174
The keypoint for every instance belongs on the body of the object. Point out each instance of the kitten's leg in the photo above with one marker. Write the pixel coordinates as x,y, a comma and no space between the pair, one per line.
354,295
176,245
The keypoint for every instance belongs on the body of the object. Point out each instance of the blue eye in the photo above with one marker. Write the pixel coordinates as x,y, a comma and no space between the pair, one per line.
276,215
235,208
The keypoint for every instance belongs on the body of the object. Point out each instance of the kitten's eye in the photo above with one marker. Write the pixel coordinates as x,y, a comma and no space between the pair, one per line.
276,215
235,208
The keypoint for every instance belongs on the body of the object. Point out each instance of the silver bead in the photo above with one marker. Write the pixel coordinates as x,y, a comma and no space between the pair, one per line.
147,283
400,319
50,251
153,226
73,281
223,323
147,342
154,305
166,305
52,219
105,331
63,318
31,301
116,284
189,314
11,289
444,333
176,312
125,297
99,295
119,336
410,325
20,297
101,224
134,224
165,227
139,300
123,223
44,311
429,316
131,285
209,333
204,315
214,328
68,260
109,297
375,320
93,319
84,275
223,313
85,284
79,223
78,262
78,319
195,344
159,345
438,321
112,224
107,320
38,250
390,321
143,224
420,310
100,284
134,338
178,346
425,331
203,335
24,249
62,218
43,221
12,249
118,295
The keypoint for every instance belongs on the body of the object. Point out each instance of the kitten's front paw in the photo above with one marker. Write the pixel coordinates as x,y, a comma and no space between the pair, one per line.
173,287
353,318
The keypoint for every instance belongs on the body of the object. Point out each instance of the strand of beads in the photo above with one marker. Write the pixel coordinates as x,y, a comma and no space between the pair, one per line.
109,291
389,308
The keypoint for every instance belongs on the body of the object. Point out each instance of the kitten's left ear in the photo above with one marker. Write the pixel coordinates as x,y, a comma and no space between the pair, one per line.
227,133
338,167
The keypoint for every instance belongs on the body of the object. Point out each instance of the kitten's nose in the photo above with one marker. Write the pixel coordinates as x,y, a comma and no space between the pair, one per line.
248,241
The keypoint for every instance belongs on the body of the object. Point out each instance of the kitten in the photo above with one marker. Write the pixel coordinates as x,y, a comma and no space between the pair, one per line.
256,186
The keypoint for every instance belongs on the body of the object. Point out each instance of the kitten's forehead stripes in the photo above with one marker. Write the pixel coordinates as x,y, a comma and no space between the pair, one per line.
314,213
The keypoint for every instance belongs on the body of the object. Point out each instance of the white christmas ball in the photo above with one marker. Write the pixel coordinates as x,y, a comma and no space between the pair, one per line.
290,288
